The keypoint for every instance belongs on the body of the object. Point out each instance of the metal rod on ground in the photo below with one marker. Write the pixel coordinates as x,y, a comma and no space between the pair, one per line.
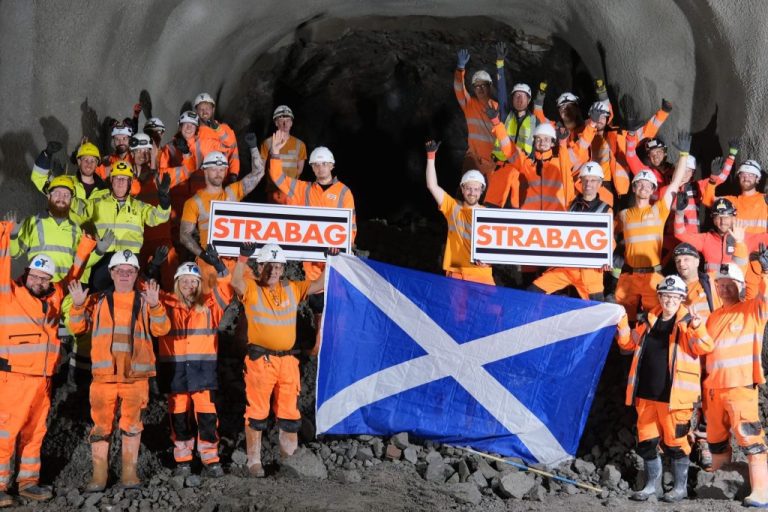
533,470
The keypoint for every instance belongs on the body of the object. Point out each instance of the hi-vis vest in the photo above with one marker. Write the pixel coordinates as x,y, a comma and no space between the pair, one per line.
43,234
522,136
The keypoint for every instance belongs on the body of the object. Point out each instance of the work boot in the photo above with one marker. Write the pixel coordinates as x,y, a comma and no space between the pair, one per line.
289,441
680,490
758,480
652,481
705,455
100,459
213,470
183,469
128,477
720,459
36,492
253,449
6,500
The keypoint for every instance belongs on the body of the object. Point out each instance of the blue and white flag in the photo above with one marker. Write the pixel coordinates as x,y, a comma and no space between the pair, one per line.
461,363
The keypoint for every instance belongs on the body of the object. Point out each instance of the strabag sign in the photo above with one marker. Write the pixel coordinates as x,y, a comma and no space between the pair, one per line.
544,239
303,232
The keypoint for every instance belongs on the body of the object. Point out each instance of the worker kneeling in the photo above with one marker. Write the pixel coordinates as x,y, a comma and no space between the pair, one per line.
664,383
122,323
733,373
271,305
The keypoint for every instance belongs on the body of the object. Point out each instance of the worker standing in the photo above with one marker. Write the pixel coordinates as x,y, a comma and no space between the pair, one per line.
220,134
271,304
122,322
86,181
519,121
664,384
292,155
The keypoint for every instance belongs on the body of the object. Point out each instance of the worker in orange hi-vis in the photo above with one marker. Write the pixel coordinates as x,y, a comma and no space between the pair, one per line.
458,246
642,227
750,204
664,384
480,140
121,136
734,372
219,133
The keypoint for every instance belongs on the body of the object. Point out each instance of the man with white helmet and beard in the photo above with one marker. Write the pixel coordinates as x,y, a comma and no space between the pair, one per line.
292,155
121,139
219,133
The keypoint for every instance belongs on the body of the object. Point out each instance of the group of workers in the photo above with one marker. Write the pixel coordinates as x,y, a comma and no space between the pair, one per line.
102,272
700,327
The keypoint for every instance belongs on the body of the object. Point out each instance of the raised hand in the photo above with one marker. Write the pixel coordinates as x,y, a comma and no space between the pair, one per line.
79,295
462,57
151,293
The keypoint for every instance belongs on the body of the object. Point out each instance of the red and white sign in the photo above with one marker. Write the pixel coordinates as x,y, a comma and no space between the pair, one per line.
303,232
544,239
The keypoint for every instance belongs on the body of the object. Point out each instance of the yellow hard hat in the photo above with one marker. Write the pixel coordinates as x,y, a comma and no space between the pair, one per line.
122,169
62,181
88,149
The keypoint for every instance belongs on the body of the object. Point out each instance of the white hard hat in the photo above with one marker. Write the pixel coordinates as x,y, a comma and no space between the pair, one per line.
122,129
214,159
204,97
751,167
646,175
187,269
321,154
140,141
591,169
473,175
691,162
282,110
43,263
125,257
672,284
271,253
730,271
566,97
545,130
481,76
600,107
154,124
189,116
522,88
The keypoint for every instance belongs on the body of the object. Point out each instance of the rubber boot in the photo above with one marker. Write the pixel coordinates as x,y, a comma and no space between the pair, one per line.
758,480
652,481
289,441
680,490
100,459
36,492
128,477
6,500
705,455
720,459
253,449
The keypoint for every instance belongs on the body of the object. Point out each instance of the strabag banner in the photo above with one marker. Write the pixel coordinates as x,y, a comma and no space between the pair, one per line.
303,232
545,239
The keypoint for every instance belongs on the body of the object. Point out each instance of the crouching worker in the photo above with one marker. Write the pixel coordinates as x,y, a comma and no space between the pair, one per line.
664,384
271,304
122,323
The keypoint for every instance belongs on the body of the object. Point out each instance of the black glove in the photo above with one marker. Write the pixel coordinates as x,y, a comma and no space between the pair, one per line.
682,199
250,139
600,89
53,147
762,257
211,256
596,113
683,142
733,146
666,105
493,115
57,169
716,168
181,145
501,50
164,191
161,254
247,249
431,146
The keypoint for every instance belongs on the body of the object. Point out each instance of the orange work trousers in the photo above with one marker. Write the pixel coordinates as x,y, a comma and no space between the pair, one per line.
587,281
133,398
655,420
474,276
181,406
734,410
24,404
635,289
268,375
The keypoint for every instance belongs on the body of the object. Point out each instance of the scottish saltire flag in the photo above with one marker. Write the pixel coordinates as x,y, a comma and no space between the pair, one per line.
461,363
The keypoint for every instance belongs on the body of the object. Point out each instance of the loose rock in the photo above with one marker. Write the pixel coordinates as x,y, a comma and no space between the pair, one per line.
304,464
465,493
515,485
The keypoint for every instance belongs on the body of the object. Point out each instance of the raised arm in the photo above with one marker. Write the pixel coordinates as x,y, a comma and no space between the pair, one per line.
684,145
238,275
436,190
462,96
501,80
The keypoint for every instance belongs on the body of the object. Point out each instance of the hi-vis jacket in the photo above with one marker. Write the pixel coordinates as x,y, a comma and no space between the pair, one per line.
29,341
685,347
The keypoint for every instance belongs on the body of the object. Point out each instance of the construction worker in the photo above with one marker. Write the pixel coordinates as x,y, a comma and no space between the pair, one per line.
750,204
86,181
458,246
121,138
642,227
734,372
122,322
480,140
518,120
155,128
664,384
587,281
218,133
29,356
292,155
271,304
187,368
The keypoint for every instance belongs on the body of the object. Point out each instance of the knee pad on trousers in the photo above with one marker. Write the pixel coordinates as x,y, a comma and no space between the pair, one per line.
682,429
94,438
315,302
292,426
720,447
648,449
129,434
180,426
598,297
206,426
260,425
534,288
750,428
754,449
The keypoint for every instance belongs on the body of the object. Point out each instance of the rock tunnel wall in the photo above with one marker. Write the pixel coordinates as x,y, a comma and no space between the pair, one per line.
65,67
